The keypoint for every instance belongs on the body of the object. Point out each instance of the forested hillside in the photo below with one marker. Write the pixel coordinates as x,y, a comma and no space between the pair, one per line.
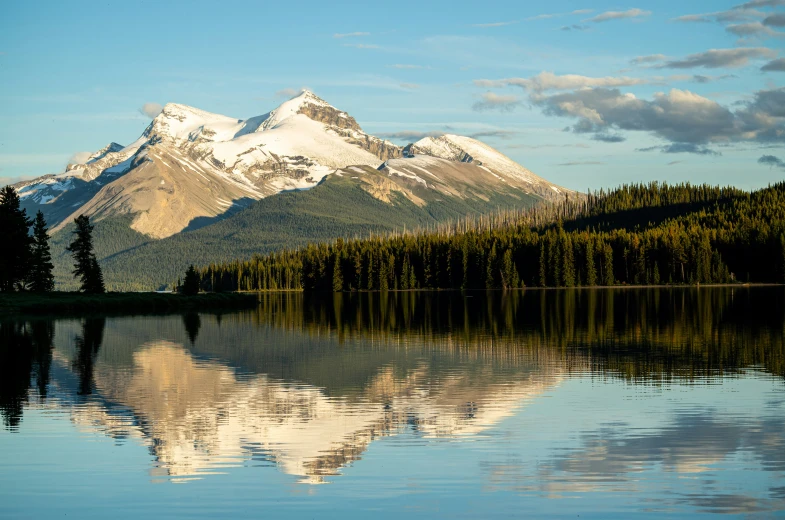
638,234
338,207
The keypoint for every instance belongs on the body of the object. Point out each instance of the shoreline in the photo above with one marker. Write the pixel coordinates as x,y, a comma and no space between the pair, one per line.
582,287
73,303
19,304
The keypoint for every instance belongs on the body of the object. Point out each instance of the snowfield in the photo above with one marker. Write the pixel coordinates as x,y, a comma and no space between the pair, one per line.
190,163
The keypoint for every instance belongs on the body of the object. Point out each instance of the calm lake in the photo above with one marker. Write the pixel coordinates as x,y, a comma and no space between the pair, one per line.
598,403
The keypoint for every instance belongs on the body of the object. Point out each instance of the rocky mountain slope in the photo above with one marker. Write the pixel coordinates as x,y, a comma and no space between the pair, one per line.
466,150
192,166
353,202
197,187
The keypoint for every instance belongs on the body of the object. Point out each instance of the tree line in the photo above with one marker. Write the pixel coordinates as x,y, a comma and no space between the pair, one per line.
26,262
638,234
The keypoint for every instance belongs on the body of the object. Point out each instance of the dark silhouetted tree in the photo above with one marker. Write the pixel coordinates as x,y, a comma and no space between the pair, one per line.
16,364
40,278
192,323
86,266
88,345
42,333
16,241
191,282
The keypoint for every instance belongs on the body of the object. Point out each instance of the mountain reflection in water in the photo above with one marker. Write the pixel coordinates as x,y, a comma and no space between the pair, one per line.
308,382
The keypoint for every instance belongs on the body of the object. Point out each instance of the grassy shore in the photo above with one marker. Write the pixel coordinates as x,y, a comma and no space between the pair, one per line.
118,302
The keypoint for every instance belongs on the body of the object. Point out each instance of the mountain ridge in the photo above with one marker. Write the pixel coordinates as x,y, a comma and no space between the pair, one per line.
222,162
192,169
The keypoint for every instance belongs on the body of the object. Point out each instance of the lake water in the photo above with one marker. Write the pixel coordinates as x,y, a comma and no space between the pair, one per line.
590,403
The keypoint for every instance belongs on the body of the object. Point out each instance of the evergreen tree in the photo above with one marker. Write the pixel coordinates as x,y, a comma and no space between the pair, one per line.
191,282
607,252
510,278
491,269
591,271
40,278
86,265
782,258
568,264
96,278
337,285
632,235
17,242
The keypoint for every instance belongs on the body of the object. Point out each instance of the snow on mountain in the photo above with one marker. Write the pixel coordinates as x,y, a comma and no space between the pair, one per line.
295,106
425,178
190,166
103,152
468,150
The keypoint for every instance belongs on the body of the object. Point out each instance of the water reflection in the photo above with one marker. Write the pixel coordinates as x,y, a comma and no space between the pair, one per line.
696,444
25,354
87,345
307,384
198,416
192,323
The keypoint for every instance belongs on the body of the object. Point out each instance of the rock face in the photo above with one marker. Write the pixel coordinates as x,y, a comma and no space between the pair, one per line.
467,150
191,166
346,126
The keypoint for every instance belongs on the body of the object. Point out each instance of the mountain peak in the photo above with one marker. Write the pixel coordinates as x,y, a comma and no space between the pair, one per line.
100,154
306,102
307,96
179,111
180,121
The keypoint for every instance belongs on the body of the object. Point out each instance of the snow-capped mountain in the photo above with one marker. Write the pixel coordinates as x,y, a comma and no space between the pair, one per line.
467,150
190,166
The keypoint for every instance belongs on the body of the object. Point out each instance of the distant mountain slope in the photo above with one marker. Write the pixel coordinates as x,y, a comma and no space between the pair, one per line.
467,150
686,235
192,169
191,166
354,202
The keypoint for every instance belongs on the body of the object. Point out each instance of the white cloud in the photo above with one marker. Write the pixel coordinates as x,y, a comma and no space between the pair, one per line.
651,58
408,66
493,101
679,116
732,16
618,15
549,81
151,109
494,134
495,24
721,58
79,157
8,181
681,148
760,3
575,27
351,35
755,30
558,15
581,163
288,92
408,135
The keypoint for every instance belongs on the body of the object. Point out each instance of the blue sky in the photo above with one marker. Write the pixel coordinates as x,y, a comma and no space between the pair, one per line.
77,74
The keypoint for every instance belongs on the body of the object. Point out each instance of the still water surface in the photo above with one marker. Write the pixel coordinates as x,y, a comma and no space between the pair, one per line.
596,403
